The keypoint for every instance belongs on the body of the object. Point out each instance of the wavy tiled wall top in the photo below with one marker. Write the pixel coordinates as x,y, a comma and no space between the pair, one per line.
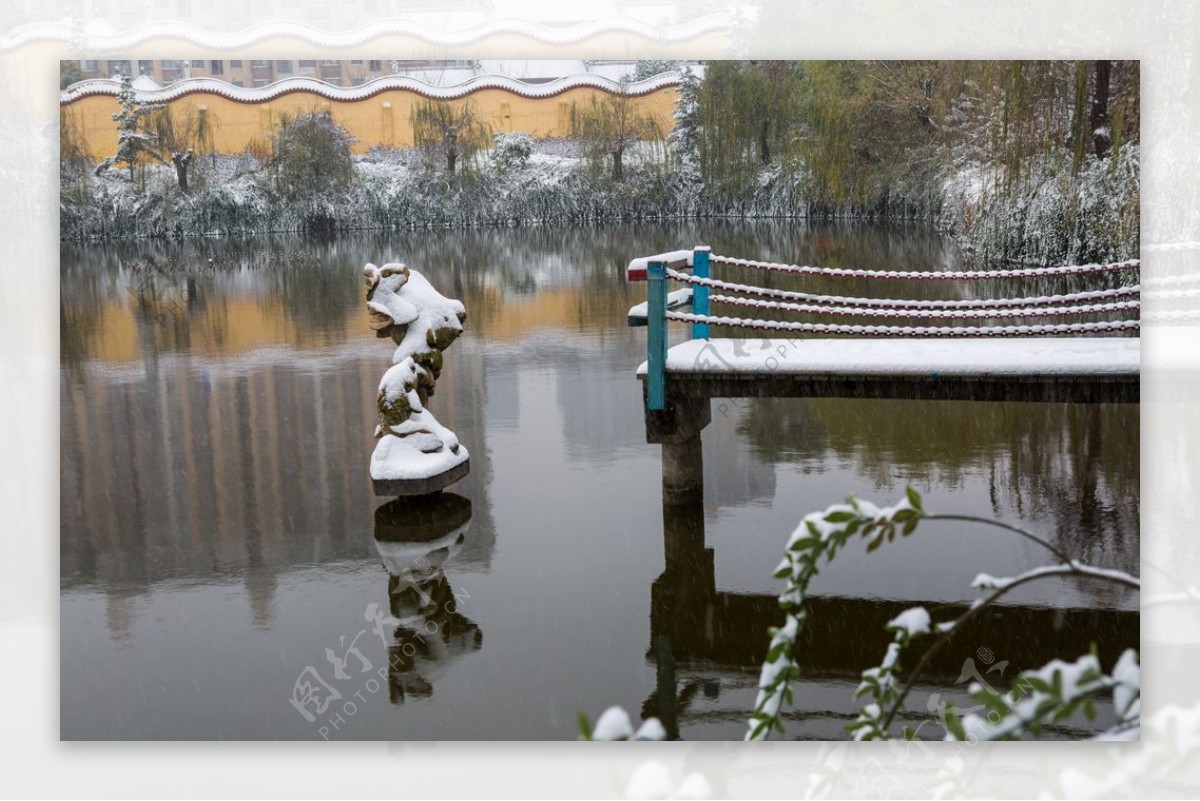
262,94
98,35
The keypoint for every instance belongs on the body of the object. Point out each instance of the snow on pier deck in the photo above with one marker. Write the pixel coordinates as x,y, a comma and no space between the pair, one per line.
1076,369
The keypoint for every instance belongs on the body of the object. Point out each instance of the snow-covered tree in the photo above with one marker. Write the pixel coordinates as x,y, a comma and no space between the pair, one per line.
684,139
134,139
449,130
610,123
649,67
310,155
178,136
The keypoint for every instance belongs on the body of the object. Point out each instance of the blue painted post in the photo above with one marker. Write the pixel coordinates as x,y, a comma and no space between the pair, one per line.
700,293
656,339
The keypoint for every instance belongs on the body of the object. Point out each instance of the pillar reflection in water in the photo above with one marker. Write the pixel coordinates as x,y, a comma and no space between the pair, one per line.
705,641
415,538
682,603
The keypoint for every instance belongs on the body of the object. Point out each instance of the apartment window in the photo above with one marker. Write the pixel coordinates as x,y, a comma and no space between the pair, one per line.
356,63
88,65
283,67
329,62
123,67
216,67
146,67
375,66
260,82
197,65
260,64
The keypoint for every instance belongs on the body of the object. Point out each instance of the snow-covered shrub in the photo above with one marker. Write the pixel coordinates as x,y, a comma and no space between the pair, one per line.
511,151
310,156
1051,216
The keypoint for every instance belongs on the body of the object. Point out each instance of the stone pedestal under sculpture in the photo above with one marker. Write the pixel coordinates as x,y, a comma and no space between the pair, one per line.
414,453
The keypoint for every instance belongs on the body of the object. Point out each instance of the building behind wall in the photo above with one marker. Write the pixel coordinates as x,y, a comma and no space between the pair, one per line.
261,72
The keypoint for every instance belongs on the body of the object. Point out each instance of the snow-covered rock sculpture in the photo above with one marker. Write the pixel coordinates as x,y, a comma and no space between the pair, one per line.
415,454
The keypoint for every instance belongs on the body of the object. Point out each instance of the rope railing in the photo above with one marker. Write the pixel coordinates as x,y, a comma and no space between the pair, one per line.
971,303
707,291
905,331
946,275
938,314
1173,280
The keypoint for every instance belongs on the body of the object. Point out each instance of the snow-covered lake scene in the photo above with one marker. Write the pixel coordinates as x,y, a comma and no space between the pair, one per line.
531,400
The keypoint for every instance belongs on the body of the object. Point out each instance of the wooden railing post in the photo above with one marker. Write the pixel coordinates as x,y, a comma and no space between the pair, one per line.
700,269
656,339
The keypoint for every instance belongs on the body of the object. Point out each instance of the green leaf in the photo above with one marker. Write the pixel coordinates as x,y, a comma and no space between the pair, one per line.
1035,682
914,498
954,724
585,726
840,516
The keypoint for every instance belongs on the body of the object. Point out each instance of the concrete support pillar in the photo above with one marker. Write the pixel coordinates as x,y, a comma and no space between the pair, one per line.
683,471
677,428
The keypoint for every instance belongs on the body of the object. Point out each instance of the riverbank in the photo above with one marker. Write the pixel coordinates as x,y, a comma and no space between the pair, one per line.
1053,216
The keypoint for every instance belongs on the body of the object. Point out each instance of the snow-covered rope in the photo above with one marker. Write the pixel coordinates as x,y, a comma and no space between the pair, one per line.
1173,280
907,331
974,303
957,314
957,275
1180,315
1171,247
1172,294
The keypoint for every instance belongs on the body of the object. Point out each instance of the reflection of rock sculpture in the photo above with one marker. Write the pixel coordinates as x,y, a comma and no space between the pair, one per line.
415,455
415,538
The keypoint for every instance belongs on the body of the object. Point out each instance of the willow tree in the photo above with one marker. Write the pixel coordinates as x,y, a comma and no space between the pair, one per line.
74,162
609,123
448,130
748,113
179,135
1041,111
872,130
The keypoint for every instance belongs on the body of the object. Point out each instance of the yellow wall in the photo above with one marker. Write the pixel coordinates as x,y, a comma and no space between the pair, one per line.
381,120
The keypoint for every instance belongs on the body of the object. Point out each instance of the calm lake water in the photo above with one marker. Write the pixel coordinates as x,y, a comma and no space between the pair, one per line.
221,546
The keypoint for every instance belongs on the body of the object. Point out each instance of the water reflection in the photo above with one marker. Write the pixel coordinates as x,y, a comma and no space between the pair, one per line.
216,510
415,538
704,640
1076,466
